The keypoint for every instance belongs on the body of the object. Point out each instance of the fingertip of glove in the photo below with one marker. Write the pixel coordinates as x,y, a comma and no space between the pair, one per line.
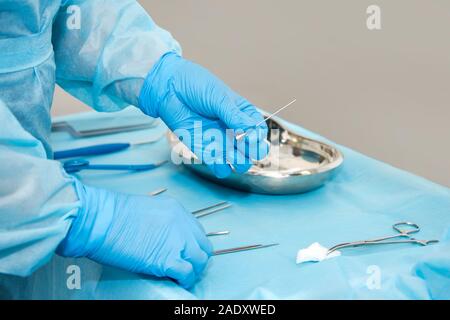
242,168
221,171
183,272
200,261
208,248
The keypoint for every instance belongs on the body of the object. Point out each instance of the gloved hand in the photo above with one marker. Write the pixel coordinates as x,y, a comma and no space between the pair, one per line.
184,95
142,234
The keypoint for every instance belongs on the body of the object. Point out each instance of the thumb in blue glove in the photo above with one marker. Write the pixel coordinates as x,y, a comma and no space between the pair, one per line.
183,94
147,235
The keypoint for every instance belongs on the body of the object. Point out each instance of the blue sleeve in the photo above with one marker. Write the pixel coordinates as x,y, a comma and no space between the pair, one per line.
104,50
37,200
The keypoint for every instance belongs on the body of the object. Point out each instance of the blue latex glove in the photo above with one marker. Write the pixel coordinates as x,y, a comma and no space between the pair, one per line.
142,234
183,94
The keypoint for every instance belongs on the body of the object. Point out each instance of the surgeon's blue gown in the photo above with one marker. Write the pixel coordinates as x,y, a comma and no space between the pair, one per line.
101,59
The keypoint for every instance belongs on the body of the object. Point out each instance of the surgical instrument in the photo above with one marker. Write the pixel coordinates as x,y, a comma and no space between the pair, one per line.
66,127
129,119
218,233
77,165
100,149
159,191
241,135
404,230
246,248
211,209
295,164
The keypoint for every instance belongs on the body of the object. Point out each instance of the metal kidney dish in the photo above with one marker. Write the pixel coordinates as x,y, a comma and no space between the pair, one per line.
295,164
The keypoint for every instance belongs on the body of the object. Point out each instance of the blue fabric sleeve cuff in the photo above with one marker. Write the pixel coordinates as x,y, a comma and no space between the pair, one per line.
91,224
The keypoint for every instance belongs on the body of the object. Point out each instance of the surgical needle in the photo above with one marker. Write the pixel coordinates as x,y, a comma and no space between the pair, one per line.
241,135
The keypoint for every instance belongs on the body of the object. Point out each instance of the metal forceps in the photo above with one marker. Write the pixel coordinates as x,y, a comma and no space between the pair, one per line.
404,230
211,209
245,248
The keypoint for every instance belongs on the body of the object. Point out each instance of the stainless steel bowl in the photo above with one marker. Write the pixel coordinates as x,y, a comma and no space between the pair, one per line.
295,164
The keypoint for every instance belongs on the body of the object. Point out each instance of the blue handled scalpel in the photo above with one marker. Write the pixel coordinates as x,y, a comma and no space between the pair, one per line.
97,150
78,165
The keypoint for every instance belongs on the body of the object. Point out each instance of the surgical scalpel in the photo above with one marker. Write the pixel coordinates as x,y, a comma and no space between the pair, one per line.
246,248
404,229
99,149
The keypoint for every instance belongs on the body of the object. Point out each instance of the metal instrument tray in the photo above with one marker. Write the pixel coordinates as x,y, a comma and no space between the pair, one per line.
295,164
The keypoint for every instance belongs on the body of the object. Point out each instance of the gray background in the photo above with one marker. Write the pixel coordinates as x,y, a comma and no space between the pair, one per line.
384,93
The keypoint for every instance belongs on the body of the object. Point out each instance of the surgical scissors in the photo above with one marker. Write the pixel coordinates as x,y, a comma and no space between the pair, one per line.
77,165
404,230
